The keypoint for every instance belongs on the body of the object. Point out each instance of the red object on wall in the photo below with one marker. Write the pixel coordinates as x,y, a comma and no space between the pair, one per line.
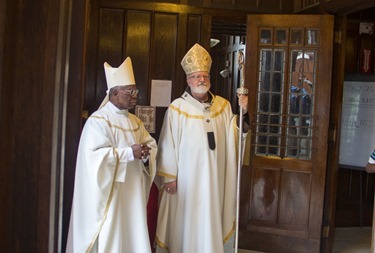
367,61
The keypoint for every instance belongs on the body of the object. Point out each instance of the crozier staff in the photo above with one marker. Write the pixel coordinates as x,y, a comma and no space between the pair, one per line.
115,169
196,169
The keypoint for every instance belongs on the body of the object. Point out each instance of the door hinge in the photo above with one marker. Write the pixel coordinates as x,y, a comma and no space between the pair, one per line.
85,114
325,232
338,35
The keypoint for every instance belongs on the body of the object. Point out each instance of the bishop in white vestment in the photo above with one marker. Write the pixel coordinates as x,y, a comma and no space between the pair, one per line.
197,162
115,168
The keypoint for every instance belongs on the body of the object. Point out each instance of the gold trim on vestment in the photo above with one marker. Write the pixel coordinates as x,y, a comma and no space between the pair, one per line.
192,116
108,203
118,127
162,245
164,174
226,238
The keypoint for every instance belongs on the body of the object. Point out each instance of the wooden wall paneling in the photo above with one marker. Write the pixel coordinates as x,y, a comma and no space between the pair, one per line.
351,53
163,55
90,43
343,7
30,48
206,31
163,59
287,6
249,4
232,47
27,107
206,6
218,83
111,35
52,119
138,48
276,5
172,1
192,2
229,2
6,130
194,30
163,1
2,29
78,61
337,7
235,47
233,66
189,33
259,6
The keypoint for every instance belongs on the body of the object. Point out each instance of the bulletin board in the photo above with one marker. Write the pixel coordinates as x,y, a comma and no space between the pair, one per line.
357,140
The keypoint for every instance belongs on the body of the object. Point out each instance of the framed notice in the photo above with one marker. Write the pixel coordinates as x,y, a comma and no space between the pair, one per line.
147,115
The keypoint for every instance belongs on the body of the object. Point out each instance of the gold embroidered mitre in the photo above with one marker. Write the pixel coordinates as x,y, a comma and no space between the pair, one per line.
196,59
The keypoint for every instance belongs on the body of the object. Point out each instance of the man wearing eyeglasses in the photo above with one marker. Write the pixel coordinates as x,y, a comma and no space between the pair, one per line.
197,161
115,168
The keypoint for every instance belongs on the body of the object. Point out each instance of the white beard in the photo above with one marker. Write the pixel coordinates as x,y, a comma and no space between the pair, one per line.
202,89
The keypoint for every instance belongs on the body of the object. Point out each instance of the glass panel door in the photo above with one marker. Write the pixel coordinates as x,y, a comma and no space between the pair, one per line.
285,102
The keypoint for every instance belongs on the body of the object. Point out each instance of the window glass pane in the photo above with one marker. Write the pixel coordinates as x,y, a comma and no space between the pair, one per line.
268,136
300,104
285,113
270,102
312,37
296,36
277,82
265,81
281,36
275,121
265,36
279,60
276,103
263,102
266,60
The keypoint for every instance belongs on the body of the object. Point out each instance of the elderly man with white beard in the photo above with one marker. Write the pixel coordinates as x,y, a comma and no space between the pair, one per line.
197,164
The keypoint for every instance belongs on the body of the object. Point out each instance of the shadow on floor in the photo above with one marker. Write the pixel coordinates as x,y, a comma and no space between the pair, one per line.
347,240
352,240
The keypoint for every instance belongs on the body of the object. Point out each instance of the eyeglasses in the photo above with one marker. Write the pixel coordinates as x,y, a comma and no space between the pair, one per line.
199,77
131,92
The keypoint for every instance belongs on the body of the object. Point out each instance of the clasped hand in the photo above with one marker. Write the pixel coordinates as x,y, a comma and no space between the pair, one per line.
141,151
243,102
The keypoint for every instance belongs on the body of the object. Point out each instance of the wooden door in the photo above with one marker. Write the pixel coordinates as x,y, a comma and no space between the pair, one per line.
288,73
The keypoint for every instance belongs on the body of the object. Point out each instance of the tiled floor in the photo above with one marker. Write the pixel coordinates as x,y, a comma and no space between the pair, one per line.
347,240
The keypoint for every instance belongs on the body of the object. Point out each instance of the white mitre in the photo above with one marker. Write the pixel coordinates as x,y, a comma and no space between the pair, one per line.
121,76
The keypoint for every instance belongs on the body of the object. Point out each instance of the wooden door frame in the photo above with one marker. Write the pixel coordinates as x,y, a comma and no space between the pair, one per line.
338,70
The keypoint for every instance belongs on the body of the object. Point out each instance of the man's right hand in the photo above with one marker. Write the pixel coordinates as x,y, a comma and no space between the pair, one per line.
171,187
141,151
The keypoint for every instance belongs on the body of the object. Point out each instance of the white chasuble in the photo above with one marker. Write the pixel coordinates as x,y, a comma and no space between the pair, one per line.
200,217
111,187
